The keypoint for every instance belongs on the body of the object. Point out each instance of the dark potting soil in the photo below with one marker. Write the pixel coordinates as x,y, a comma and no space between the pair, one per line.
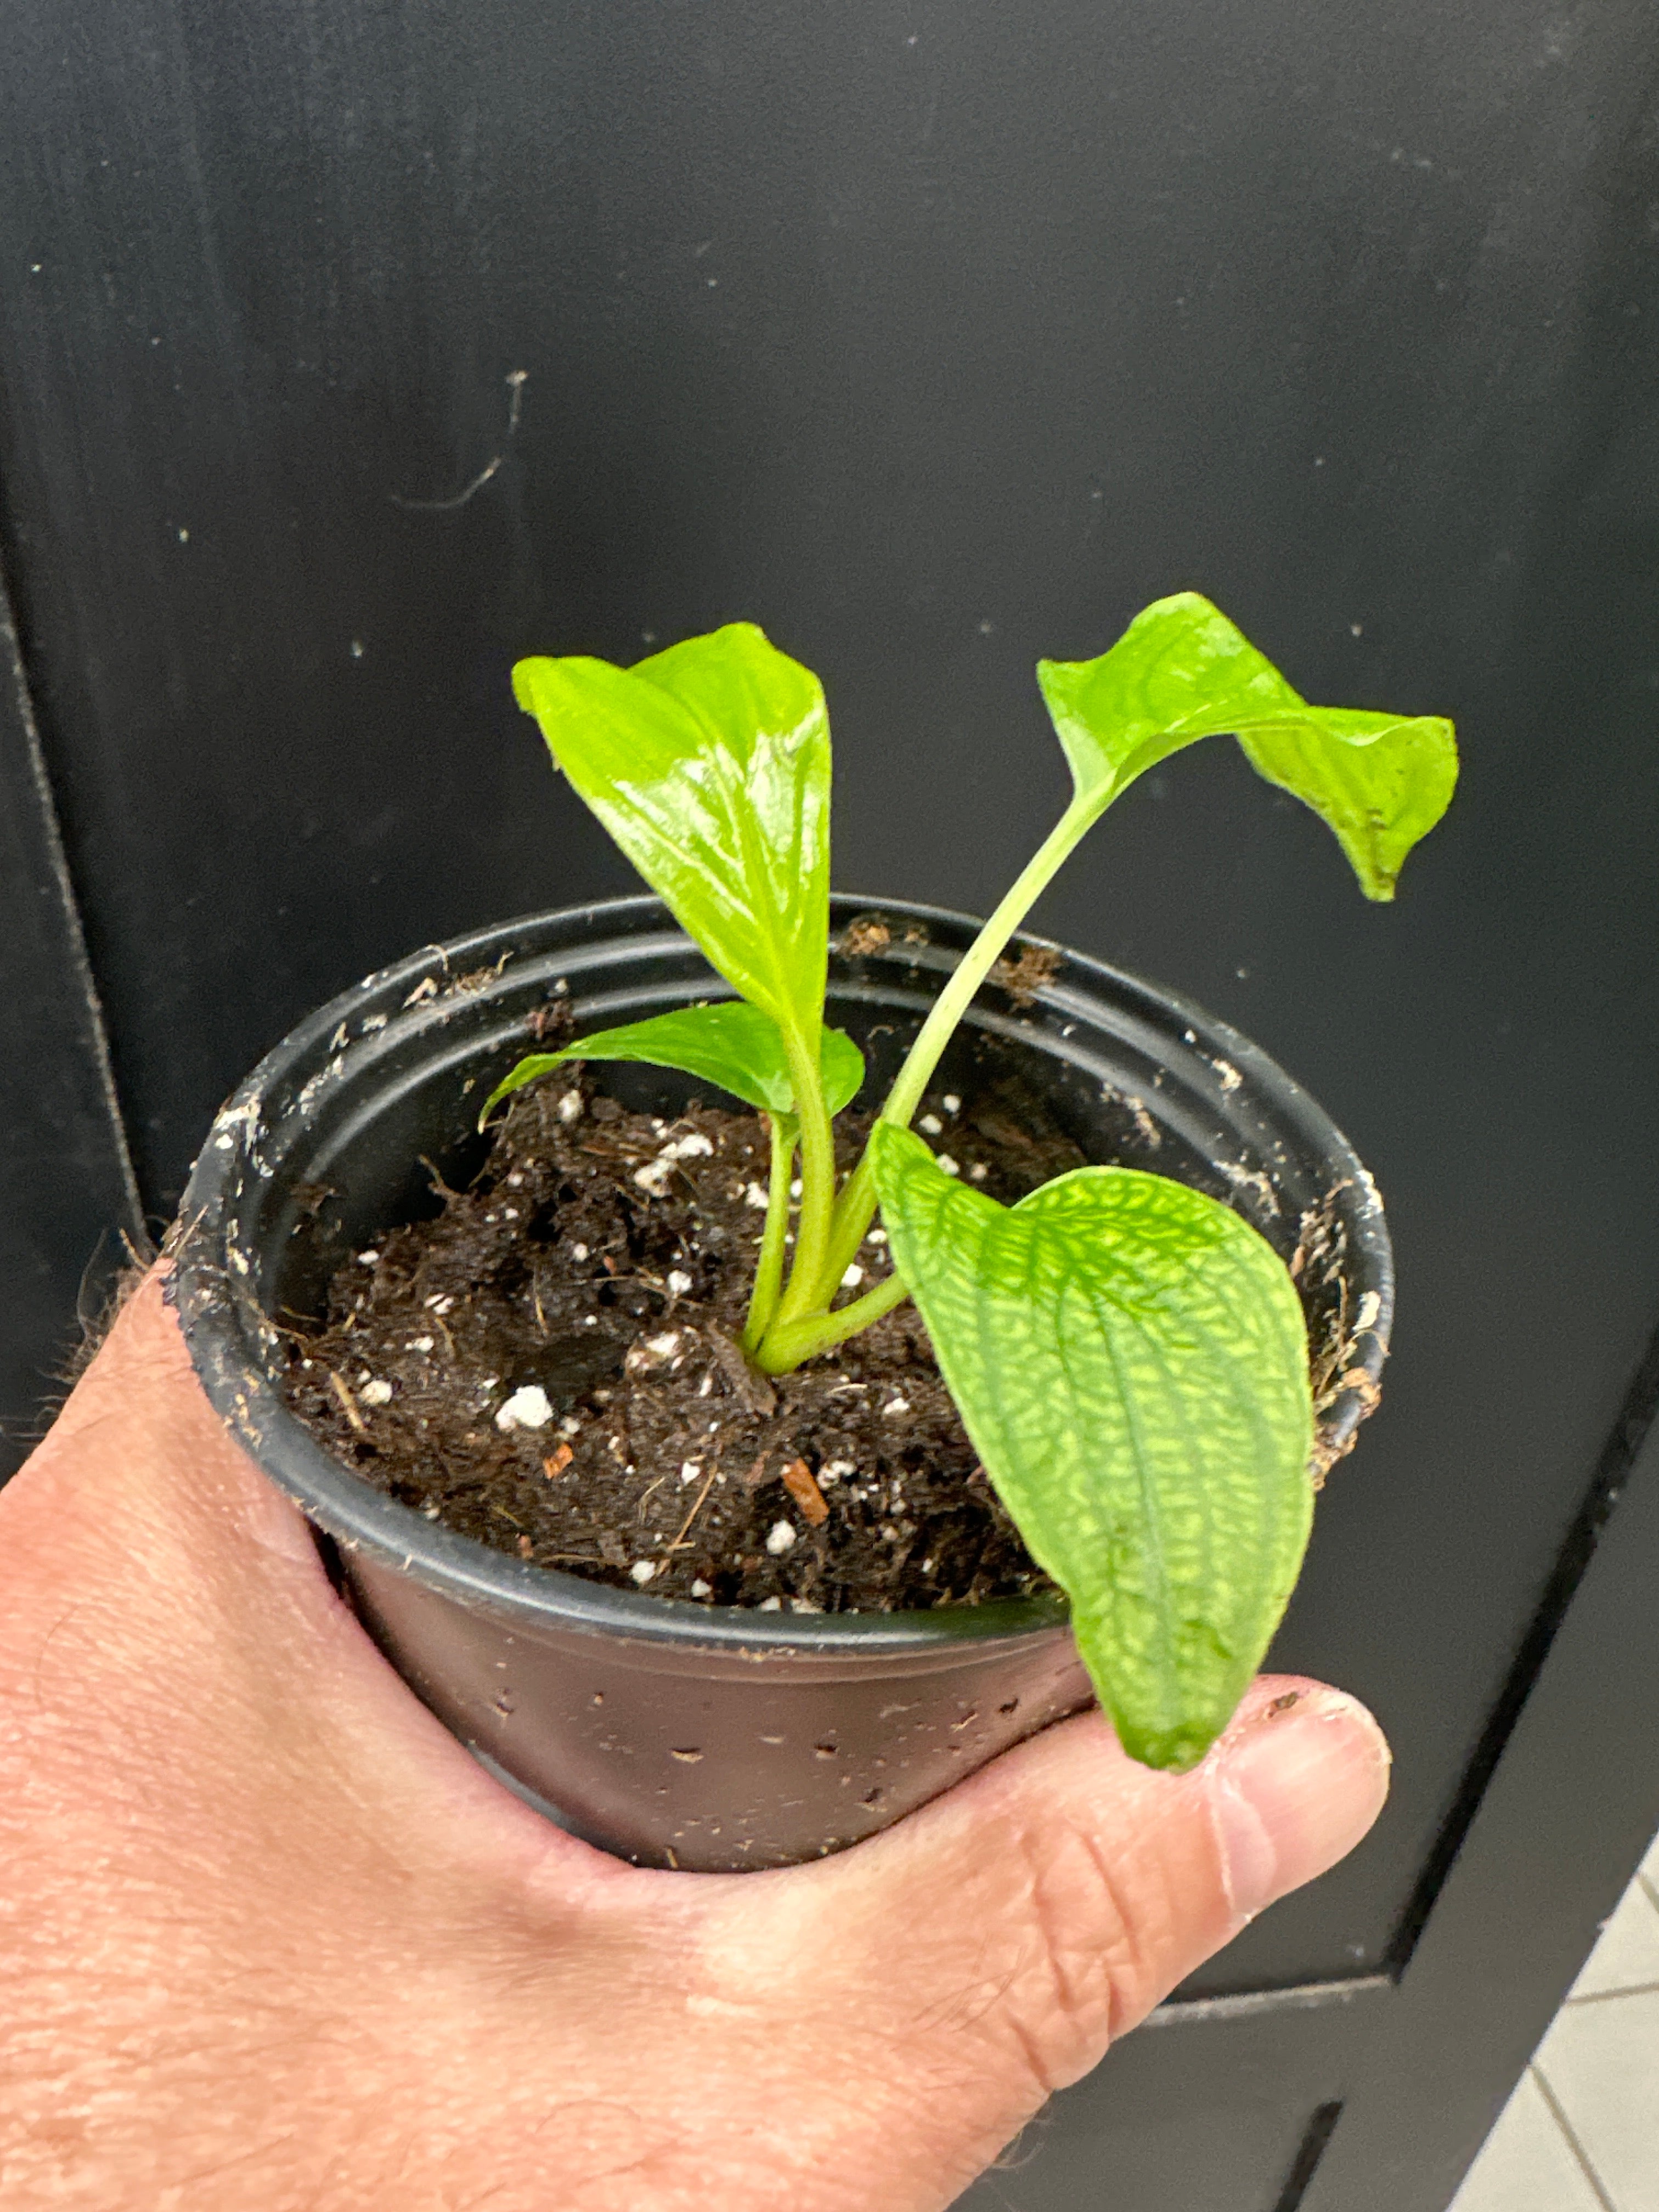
549,1365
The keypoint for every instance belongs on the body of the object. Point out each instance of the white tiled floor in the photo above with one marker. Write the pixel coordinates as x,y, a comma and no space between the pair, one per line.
1581,2133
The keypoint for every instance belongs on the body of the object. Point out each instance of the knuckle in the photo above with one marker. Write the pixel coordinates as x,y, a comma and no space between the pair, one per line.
1088,1973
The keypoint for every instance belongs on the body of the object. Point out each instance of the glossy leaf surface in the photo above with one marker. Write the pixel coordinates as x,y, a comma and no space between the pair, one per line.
731,1044
709,765
1182,672
1130,1359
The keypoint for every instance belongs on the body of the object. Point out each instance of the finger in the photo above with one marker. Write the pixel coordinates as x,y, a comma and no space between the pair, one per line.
993,1945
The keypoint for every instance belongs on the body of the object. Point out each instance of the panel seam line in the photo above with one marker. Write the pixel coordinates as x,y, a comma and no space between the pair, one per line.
80,959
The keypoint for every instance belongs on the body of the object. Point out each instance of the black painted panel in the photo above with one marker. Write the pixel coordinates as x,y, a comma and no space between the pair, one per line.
1569,1811
1214,2111
66,1191
935,337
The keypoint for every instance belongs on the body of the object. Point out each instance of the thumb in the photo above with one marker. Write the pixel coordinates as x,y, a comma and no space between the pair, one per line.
1000,1938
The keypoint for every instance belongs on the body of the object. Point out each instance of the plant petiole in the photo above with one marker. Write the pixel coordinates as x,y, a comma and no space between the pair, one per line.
803,1294
856,1206
768,1264
787,1343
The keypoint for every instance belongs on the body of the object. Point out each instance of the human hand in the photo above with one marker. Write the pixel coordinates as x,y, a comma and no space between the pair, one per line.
270,1939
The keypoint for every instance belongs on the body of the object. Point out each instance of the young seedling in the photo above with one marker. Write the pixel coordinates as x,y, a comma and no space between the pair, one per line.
1129,1357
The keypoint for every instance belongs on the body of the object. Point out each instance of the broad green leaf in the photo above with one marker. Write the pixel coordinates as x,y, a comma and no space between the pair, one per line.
731,1044
1181,671
1381,782
709,765
1130,1360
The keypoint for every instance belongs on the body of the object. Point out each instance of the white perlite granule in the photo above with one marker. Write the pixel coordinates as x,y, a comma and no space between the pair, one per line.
655,1352
696,1146
528,1408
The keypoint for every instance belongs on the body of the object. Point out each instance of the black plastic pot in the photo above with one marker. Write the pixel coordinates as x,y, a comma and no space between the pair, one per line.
671,1733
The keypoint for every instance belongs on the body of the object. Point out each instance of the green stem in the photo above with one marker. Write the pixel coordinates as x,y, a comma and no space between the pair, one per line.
818,1182
768,1263
788,1343
857,1205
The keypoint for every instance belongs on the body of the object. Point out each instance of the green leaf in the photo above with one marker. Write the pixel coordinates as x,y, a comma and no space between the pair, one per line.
709,765
1131,1362
1381,780
1181,671
730,1044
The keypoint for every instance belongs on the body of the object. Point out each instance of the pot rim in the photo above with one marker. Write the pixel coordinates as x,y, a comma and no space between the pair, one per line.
231,1340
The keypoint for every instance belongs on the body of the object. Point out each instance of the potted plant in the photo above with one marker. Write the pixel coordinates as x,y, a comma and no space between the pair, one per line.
1151,1357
